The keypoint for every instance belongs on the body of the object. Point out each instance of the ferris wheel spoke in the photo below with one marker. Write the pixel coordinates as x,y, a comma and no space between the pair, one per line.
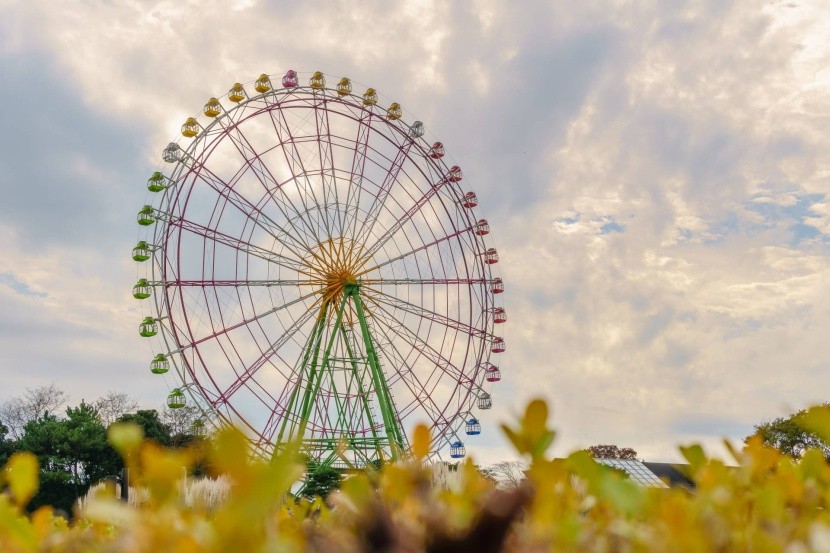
425,348
435,242
420,393
379,199
358,167
443,320
264,175
233,283
399,224
372,282
294,160
227,191
266,355
248,321
326,157
240,245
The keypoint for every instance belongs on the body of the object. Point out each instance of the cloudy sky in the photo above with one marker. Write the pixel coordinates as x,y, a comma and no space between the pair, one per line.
655,174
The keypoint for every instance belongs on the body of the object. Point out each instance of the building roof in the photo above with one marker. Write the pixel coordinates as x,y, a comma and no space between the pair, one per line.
636,470
675,474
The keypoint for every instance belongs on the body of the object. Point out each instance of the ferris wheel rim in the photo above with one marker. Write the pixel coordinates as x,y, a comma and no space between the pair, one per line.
378,282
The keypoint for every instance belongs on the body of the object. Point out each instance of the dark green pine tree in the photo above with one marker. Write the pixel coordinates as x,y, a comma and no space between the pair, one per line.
73,454
149,421
320,480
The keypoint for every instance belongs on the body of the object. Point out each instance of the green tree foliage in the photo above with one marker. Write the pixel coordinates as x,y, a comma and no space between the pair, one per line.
789,435
73,454
187,425
320,480
7,446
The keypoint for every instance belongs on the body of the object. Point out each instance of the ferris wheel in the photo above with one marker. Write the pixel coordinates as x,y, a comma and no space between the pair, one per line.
312,269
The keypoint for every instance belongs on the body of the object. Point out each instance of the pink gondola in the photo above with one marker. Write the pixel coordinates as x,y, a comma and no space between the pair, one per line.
290,79
482,227
492,374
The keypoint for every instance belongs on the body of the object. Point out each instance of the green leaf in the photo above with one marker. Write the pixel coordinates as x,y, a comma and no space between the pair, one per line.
625,495
694,455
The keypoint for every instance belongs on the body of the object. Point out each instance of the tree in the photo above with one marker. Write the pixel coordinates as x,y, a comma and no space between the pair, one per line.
506,474
73,454
112,405
787,435
606,451
320,480
7,447
16,412
187,424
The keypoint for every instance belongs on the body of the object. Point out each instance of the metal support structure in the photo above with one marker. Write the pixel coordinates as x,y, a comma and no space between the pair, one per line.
329,352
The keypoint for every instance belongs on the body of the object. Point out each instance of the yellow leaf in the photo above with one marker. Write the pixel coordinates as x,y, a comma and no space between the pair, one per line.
420,441
536,416
515,438
125,437
817,421
694,455
21,471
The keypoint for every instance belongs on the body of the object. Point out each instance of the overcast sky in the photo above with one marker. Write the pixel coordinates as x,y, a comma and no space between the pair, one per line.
655,174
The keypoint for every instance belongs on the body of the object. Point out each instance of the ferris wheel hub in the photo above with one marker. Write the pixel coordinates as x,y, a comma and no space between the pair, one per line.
335,265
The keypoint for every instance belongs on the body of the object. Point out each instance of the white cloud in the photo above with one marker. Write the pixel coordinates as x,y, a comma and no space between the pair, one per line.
699,131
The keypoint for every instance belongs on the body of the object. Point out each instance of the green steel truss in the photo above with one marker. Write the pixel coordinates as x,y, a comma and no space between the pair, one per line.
341,409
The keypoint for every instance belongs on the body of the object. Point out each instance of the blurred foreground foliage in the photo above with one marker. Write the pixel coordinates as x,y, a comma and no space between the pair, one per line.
767,501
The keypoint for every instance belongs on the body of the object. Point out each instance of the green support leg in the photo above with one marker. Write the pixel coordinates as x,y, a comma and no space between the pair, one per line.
316,365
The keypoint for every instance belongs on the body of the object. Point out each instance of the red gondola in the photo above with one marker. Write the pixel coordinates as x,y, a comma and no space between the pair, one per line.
499,316
497,286
455,174
491,256
498,345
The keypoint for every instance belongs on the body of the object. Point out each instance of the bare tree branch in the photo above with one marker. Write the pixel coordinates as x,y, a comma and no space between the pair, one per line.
112,405
507,474
17,411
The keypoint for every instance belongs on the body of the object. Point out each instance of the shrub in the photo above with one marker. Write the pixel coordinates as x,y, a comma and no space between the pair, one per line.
767,502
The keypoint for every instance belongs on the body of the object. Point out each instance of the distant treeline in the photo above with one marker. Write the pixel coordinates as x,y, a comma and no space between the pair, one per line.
71,442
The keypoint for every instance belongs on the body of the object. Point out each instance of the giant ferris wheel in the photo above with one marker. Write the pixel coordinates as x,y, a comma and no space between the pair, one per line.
312,269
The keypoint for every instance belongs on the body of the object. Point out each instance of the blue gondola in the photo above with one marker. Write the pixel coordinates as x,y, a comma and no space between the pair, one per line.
457,450
473,427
